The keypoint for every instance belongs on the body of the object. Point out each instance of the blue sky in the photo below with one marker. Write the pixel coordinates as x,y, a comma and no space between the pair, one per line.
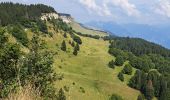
120,11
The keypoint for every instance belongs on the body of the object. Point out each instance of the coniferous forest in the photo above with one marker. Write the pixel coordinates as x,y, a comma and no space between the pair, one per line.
152,62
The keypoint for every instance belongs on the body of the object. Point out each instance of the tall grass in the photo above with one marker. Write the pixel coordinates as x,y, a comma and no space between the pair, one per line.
27,92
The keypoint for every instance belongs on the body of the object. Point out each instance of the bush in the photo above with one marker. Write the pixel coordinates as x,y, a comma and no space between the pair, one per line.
66,88
42,26
20,35
82,90
141,97
77,39
115,97
63,46
127,69
119,61
111,64
65,35
61,95
120,76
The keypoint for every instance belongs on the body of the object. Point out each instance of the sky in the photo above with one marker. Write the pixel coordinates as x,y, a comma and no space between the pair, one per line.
120,11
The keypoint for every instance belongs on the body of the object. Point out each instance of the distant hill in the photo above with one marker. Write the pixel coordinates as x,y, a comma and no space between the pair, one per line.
156,33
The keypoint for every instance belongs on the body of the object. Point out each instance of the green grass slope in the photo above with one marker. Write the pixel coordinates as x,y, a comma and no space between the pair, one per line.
87,76
83,30
88,70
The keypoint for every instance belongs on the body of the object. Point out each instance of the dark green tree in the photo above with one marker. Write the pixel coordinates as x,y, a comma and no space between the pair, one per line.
164,94
65,35
127,69
63,46
149,90
120,76
72,44
115,97
119,61
138,80
39,65
111,64
10,55
77,39
75,52
18,32
77,47
61,95
141,97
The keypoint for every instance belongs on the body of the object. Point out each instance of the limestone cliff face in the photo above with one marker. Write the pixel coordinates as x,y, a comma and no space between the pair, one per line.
46,16
65,17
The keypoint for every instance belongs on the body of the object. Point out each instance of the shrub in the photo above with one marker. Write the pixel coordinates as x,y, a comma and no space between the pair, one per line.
127,69
120,76
111,64
115,97
63,46
20,35
77,39
119,61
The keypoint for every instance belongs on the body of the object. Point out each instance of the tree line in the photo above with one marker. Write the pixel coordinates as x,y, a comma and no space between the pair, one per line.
11,13
152,62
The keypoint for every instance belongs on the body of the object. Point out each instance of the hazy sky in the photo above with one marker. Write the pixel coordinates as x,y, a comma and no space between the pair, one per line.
120,11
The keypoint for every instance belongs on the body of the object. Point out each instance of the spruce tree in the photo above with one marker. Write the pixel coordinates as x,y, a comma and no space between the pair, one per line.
119,61
77,47
127,69
63,46
149,90
141,97
65,35
75,52
120,76
61,95
111,64
72,44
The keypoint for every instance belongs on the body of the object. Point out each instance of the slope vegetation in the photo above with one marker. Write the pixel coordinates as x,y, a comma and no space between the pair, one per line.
87,75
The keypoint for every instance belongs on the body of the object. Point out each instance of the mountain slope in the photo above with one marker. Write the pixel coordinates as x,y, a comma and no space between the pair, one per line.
88,75
88,70
84,30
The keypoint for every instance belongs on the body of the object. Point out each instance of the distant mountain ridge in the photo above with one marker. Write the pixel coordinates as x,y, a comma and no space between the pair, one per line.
155,33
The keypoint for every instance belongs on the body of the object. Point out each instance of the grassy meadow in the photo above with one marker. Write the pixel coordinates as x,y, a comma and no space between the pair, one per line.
87,75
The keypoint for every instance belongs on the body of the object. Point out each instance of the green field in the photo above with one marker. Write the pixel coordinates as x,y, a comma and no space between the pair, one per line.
83,30
87,76
88,70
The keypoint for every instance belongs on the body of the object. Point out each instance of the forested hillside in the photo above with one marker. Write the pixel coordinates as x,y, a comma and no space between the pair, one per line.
51,60
152,61
12,13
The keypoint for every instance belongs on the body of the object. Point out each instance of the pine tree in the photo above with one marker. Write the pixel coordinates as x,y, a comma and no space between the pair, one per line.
127,69
65,35
120,76
141,97
72,44
163,90
75,52
77,47
111,64
119,61
63,46
61,95
149,90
